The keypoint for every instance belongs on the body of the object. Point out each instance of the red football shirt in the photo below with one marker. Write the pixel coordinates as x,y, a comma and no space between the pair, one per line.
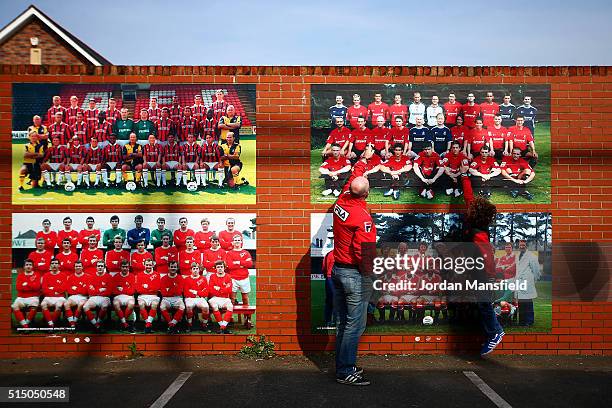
361,138
488,112
454,161
484,167
396,164
137,261
520,137
498,136
515,167
226,238
41,260
478,138
50,239
398,110
170,287
124,285
187,258
90,259
72,235
202,239
378,109
195,287
53,285
85,234
114,259
353,113
398,135
339,136
470,113
77,285
452,110
238,263
163,256
101,285
332,164
28,285
147,283
428,164
66,261
179,237
212,256
372,162
380,135
220,286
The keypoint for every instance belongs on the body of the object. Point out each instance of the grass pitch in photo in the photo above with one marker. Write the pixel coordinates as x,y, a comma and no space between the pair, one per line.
407,135
133,143
523,248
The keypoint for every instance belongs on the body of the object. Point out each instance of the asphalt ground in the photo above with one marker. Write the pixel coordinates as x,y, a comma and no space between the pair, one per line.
397,381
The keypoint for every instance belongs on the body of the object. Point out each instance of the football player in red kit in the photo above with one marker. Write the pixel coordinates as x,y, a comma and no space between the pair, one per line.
427,168
499,138
478,138
356,111
471,111
27,286
195,289
123,302
188,256
518,174
152,154
361,137
398,110
76,160
397,167
165,126
87,232
399,134
485,171
452,110
180,235
77,289
212,162
67,257
101,287
202,238
238,262
171,288
341,136
219,296
165,254
48,235
488,110
460,134
172,157
68,233
53,287
334,170
139,257
212,255
41,257
520,137
116,256
378,109
90,255
226,237
147,287
55,160
372,162
113,156
505,265
455,163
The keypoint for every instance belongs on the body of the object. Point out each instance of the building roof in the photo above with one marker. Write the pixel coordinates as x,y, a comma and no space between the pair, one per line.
78,46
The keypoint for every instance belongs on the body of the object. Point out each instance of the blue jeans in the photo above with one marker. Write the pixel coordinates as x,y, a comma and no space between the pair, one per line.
489,320
526,314
352,293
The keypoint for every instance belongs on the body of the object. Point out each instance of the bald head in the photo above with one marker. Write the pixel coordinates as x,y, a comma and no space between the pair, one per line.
360,186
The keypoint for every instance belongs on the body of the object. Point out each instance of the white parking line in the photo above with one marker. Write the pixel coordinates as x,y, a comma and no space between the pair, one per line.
171,390
486,390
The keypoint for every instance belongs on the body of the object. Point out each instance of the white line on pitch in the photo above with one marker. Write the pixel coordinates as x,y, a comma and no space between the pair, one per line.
486,390
171,390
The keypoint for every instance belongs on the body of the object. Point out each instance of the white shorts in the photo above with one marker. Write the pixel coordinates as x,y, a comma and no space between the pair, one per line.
409,298
57,301
172,164
429,298
111,165
217,303
123,299
196,302
148,299
211,165
242,286
54,166
93,167
173,302
79,300
73,166
387,299
99,301
32,301
151,164
190,165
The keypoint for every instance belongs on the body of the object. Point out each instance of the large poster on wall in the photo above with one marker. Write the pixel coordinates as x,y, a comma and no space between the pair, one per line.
126,143
134,272
417,139
436,295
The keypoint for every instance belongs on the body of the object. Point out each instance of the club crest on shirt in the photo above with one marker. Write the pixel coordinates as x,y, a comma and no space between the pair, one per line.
367,226
341,212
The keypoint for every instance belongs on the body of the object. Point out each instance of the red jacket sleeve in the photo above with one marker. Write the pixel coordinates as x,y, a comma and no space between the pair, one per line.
468,193
481,239
358,170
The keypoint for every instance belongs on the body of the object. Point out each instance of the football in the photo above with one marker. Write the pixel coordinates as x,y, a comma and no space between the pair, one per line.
428,320
192,186
69,186
130,186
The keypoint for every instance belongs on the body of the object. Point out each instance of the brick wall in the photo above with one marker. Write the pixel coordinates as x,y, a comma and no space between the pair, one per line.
581,126
16,50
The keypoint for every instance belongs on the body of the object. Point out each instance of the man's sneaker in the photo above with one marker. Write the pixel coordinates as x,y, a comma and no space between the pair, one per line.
527,195
131,328
514,193
457,192
449,191
490,345
353,379
336,193
327,192
429,194
396,194
388,193
423,193
358,370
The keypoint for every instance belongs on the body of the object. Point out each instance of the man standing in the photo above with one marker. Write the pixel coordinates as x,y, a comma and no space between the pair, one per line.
471,111
488,110
356,111
416,109
507,112
123,127
337,111
529,113
378,109
398,110
332,171
354,231
138,234
527,270
452,108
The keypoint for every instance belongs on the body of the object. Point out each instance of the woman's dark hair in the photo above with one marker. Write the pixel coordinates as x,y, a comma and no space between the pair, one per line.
481,213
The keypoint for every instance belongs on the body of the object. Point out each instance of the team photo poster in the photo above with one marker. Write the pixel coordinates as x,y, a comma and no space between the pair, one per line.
423,278
133,143
134,273
418,139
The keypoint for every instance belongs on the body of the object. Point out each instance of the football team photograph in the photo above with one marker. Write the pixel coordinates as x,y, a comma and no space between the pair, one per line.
417,140
429,295
134,273
112,144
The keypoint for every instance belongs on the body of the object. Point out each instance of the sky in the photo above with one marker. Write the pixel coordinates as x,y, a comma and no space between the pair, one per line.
336,32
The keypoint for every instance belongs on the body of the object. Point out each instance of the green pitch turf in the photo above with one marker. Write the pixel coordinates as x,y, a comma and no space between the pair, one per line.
539,187
160,326
112,195
542,310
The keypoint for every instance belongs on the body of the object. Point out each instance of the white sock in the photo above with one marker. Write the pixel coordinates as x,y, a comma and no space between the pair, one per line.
59,176
47,177
164,177
145,177
97,178
86,177
105,177
117,175
198,176
79,179
220,177
179,176
158,176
